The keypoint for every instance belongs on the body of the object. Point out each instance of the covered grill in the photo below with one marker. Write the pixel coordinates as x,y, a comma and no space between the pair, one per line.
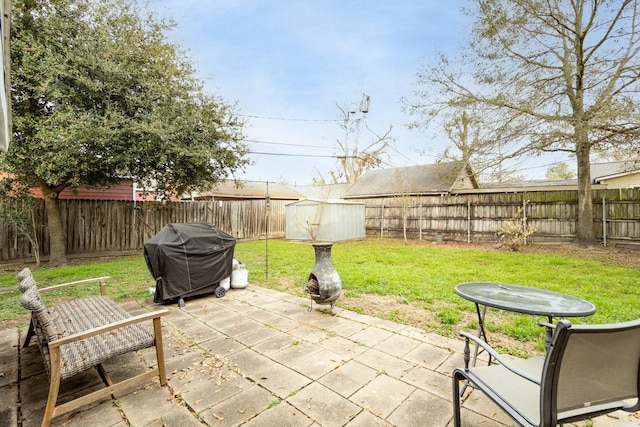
189,260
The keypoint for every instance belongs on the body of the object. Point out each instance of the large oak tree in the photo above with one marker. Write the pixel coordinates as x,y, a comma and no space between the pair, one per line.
99,94
554,75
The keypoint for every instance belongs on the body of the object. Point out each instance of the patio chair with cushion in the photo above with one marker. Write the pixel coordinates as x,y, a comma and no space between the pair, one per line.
588,370
84,333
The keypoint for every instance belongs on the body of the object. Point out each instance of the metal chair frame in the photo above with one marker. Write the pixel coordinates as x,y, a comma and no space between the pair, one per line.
588,371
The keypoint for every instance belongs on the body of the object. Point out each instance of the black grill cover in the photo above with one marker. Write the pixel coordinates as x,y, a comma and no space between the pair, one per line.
188,259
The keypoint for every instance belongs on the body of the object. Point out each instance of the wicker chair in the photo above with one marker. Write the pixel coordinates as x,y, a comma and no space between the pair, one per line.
589,370
81,334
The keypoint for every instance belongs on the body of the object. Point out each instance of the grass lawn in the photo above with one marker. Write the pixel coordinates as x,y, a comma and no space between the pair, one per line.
412,284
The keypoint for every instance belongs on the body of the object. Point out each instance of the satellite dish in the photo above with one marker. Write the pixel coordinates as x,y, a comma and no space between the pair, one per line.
364,104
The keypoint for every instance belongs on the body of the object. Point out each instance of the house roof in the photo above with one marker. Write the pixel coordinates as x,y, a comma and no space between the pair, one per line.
600,173
520,186
438,178
248,190
532,183
603,171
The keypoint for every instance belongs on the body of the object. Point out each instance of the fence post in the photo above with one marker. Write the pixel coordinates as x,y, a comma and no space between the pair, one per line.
468,222
420,222
382,219
524,220
604,222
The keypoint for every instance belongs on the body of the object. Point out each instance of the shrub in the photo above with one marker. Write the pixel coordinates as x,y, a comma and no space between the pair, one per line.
514,232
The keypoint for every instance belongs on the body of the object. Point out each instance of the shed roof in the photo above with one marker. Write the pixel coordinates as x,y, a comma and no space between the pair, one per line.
438,178
316,202
324,192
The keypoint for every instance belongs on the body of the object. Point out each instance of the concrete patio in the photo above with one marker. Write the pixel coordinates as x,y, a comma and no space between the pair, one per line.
258,357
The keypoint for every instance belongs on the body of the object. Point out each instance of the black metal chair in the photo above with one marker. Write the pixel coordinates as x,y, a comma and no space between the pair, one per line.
589,370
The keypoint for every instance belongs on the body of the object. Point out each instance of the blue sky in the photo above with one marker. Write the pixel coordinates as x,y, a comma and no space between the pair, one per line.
289,63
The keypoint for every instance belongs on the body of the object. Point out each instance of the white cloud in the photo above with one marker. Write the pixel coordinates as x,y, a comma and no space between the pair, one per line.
295,59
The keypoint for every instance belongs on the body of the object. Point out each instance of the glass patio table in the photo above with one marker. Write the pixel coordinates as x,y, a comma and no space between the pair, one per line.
521,299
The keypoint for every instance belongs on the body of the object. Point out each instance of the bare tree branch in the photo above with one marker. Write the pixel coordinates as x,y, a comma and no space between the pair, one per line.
552,75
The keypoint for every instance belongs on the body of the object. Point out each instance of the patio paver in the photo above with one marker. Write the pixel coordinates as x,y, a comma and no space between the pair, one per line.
258,357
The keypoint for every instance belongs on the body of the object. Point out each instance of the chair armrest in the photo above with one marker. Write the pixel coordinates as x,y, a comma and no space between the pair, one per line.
100,280
108,327
499,358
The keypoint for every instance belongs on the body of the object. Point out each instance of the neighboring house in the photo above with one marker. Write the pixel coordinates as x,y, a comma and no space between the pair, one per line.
144,195
125,190
521,186
122,191
246,190
611,175
424,180
616,174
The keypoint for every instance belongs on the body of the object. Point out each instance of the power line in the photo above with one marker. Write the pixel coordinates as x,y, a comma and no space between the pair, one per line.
292,155
401,154
305,155
547,165
287,144
286,118
334,156
322,146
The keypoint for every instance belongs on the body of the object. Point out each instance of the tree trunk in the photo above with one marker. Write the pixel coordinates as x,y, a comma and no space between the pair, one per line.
585,235
57,244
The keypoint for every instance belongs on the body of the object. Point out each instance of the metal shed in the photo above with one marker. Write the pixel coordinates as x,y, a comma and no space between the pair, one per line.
328,220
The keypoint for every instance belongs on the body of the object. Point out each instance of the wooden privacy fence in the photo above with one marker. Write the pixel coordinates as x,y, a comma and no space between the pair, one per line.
477,217
109,226
114,226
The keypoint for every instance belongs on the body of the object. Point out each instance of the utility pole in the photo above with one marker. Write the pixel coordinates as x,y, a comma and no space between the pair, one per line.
267,213
351,154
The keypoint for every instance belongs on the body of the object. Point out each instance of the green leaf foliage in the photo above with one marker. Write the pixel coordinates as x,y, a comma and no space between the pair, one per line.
99,94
